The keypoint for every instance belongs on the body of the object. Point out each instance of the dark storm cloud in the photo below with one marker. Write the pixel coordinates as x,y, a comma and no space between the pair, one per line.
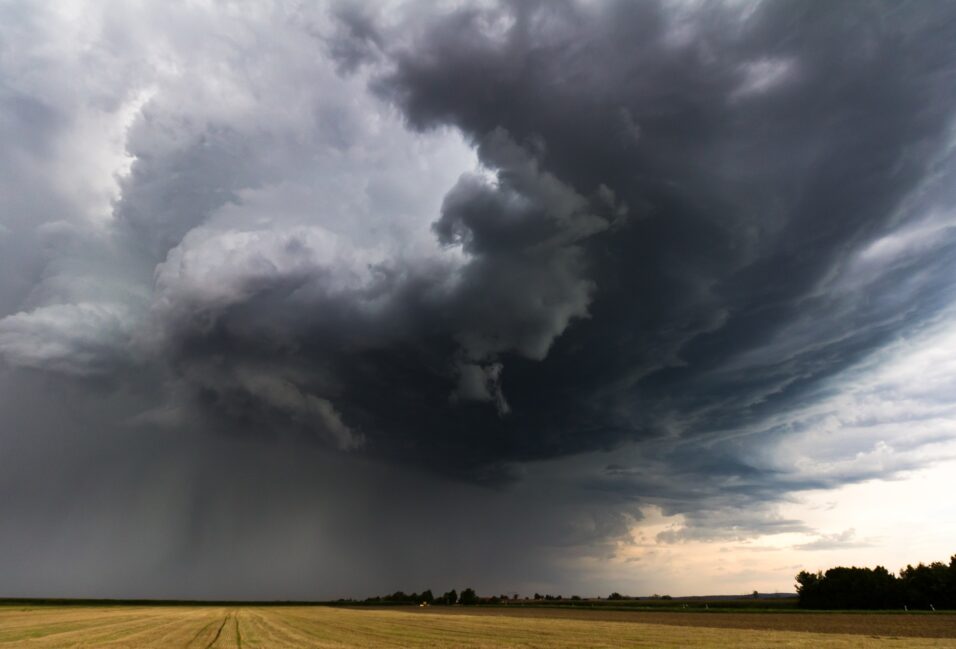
693,227
398,347
757,150
670,239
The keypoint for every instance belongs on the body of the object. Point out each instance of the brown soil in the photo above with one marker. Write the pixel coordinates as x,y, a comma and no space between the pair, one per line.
940,625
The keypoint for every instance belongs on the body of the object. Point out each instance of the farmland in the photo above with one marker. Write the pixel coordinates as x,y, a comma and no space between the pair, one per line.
251,627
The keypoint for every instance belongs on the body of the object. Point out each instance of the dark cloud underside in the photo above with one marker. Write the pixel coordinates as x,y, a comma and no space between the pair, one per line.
726,167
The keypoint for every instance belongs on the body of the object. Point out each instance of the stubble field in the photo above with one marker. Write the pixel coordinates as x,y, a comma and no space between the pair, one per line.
279,627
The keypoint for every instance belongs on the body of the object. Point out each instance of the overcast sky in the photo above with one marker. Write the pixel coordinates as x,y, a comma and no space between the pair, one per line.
315,300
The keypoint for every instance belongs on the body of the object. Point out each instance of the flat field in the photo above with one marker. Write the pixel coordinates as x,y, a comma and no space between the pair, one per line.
249,627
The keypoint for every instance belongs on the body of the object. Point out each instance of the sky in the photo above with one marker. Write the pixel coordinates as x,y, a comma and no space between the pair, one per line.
315,300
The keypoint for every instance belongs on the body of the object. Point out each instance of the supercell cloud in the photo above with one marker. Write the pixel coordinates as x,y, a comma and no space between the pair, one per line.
502,294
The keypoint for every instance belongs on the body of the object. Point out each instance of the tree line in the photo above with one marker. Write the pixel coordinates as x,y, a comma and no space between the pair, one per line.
925,587
467,597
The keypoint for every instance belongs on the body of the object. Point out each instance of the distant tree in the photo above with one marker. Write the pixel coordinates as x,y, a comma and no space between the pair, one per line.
468,597
756,595
850,588
427,596
450,598
808,587
538,596
615,595
575,598
929,586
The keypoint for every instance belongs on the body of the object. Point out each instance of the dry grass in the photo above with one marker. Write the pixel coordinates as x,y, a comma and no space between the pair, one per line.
287,627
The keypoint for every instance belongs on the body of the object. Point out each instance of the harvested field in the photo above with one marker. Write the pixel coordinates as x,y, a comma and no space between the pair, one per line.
914,625
208,627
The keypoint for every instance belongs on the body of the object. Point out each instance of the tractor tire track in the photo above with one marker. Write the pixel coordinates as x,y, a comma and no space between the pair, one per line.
218,632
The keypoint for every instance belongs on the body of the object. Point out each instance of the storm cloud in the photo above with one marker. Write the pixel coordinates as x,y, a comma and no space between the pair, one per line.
567,263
